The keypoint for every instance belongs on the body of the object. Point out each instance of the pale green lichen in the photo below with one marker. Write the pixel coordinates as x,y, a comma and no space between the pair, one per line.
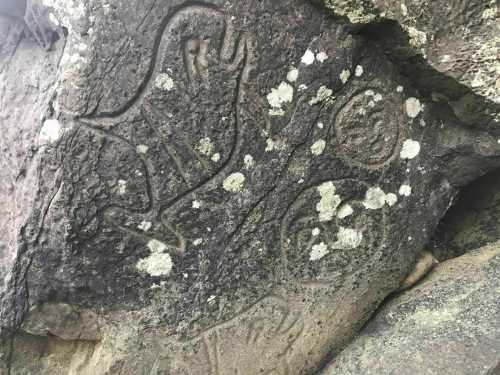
357,11
327,206
234,182
318,147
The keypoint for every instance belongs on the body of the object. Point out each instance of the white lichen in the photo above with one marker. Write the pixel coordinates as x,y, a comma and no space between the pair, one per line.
196,204
249,161
122,187
323,94
274,145
318,251
321,57
145,226
345,75
347,238
404,9
410,149
158,263
344,211
318,147
308,57
315,232
142,149
327,206
215,157
164,82
358,72
375,198
205,146
391,199
234,182
405,190
413,107
279,96
292,75
418,39
198,241
156,246
50,132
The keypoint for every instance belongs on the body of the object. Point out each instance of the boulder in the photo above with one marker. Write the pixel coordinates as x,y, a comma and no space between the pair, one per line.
215,187
447,324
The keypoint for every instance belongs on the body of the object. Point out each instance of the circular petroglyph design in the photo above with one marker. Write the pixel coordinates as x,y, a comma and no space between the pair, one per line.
368,127
329,231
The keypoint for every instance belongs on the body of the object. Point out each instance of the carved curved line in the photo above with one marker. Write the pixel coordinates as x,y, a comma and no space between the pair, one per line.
168,150
149,191
159,48
276,299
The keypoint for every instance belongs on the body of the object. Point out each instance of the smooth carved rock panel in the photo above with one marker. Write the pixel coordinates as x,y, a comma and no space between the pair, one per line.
269,182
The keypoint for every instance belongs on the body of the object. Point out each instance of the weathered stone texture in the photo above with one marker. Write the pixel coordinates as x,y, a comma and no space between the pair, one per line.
448,324
217,187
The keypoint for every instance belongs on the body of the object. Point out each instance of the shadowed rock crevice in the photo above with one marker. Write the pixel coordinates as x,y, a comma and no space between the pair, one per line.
473,220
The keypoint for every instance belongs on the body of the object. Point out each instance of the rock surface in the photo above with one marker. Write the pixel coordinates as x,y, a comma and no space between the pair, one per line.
216,188
473,221
447,324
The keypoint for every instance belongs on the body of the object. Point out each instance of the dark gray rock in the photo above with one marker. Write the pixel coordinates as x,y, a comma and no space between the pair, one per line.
448,324
222,187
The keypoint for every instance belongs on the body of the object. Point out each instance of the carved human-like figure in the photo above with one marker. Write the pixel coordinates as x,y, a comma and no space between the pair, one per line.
195,65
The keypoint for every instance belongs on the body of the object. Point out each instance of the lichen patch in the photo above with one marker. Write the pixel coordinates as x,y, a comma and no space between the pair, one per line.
391,199
164,82
323,94
327,206
145,226
292,75
50,133
405,190
318,147
413,107
375,198
122,187
142,149
157,264
358,72
321,57
248,161
347,238
344,211
345,75
410,149
308,57
318,251
279,96
234,182
275,145
205,146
